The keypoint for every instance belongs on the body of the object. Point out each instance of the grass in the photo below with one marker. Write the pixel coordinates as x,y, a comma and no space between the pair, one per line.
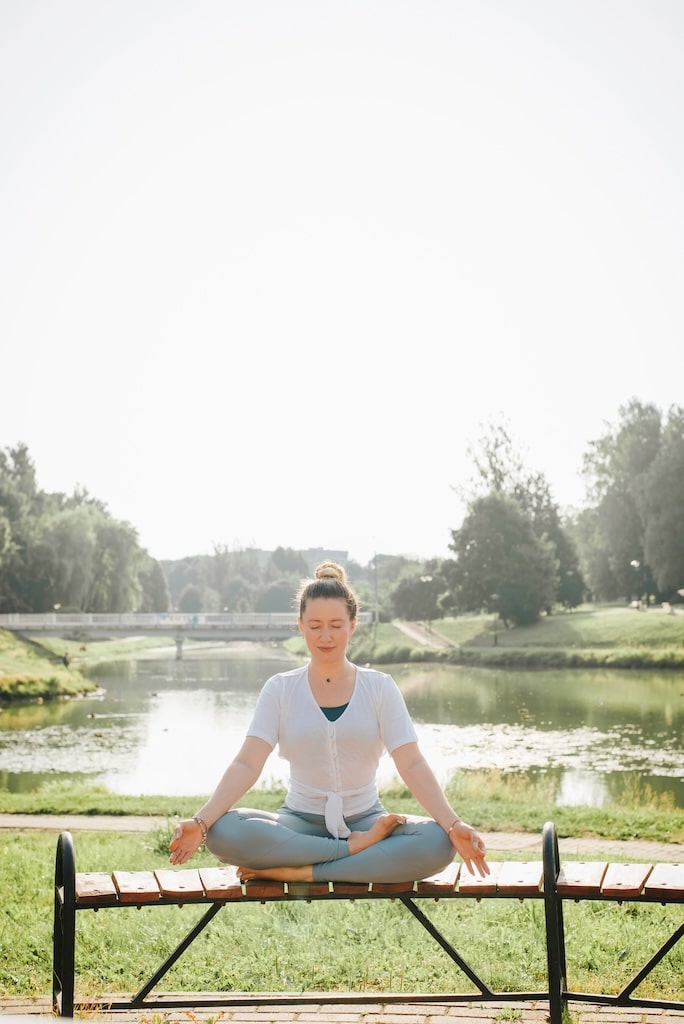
590,637
490,800
277,947
32,669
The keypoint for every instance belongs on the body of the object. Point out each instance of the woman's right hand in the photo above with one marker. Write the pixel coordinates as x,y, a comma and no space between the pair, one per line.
186,841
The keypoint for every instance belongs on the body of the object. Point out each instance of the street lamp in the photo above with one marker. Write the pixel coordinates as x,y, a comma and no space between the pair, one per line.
494,598
636,565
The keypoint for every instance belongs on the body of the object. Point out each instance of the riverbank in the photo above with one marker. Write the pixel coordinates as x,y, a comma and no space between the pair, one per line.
591,637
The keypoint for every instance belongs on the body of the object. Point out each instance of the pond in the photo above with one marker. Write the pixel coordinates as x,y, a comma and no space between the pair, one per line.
163,726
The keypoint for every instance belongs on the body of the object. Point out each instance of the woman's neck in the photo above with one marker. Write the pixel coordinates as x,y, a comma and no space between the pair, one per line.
329,679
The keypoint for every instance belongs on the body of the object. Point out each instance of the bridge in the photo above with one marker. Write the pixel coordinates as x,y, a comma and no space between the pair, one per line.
254,626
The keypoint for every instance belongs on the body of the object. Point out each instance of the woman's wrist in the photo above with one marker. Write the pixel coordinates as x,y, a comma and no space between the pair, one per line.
452,826
202,827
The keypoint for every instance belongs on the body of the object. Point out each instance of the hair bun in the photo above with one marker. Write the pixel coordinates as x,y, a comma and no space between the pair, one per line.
330,571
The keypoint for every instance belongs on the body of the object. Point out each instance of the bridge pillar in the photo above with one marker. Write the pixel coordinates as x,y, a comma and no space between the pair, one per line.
179,648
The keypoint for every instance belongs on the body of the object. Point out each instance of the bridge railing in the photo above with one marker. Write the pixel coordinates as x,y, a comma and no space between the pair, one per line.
15,621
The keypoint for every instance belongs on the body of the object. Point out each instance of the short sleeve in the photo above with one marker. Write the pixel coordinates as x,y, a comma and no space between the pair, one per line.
395,722
265,722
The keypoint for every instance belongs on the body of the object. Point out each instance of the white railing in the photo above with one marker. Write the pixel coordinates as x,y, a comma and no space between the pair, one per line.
152,620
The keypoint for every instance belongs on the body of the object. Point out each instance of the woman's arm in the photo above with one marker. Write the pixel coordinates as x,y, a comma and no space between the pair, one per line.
420,779
240,775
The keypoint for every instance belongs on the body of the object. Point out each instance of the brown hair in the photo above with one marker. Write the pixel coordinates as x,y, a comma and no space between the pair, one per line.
329,580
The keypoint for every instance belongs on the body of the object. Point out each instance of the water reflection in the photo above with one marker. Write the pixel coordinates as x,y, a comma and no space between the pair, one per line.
162,726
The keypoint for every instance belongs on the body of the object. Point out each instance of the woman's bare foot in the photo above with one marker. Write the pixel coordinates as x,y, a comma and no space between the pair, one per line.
383,827
303,874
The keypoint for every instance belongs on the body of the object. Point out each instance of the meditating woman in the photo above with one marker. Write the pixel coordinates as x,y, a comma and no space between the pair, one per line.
332,721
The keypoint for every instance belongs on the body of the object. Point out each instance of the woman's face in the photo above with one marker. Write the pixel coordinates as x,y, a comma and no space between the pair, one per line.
326,627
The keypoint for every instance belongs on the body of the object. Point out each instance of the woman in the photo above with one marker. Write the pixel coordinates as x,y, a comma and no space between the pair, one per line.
332,721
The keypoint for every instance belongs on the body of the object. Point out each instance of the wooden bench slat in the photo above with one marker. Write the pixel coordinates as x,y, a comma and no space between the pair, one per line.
350,889
308,888
184,883
666,880
221,883
94,887
625,879
444,882
136,886
521,878
265,888
471,883
581,878
392,888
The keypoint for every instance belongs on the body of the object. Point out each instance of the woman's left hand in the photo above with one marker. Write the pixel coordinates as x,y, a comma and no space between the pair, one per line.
470,846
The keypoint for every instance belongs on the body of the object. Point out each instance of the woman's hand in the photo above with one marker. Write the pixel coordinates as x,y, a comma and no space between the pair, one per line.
186,841
470,846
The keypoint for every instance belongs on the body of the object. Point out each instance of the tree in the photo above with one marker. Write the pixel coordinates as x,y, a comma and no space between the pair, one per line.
417,597
634,474
500,470
663,509
501,564
155,589
276,597
115,584
190,599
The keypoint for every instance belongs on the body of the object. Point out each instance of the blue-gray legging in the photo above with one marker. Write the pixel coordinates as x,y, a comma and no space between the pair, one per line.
259,839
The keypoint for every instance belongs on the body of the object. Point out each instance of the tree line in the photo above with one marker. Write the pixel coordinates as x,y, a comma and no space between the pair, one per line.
516,554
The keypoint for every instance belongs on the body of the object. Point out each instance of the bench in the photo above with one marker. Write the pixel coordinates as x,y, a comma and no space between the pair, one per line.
218,887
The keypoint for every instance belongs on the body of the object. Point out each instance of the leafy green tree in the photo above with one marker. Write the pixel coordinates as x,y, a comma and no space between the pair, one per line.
276,597
155,589
190,599
500,470
290,562
417,597
500,563
117,561
663,508
239,595
634,477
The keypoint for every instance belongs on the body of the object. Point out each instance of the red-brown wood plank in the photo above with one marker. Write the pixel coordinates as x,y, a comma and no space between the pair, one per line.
185,884
221,883
94,887
136,886
441,884
350,889
521,878
626,880
392,888
667,881
265,888
307,889
475,883
581,878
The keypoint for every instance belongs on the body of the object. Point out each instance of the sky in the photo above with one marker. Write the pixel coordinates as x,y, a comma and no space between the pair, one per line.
269,270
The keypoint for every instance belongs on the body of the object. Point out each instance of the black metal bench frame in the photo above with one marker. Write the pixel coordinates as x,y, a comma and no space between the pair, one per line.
66,905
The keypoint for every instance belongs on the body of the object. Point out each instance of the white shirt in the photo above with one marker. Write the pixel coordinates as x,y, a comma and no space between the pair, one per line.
332,764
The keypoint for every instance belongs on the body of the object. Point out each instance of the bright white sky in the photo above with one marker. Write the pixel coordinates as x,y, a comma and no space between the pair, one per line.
267,269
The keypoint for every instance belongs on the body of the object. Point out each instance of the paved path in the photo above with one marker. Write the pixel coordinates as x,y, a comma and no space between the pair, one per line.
368,1013
504,842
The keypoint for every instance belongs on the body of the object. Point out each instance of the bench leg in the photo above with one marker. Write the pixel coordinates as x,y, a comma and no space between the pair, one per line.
555,931
623,997
447,947
64,928
139,997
